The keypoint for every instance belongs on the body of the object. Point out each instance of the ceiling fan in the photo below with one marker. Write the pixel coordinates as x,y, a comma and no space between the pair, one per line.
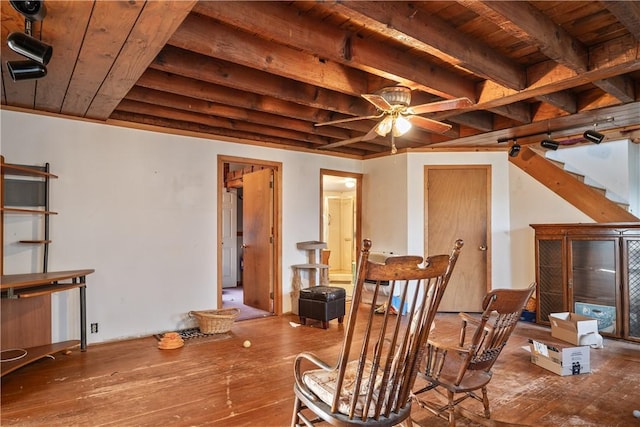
398,116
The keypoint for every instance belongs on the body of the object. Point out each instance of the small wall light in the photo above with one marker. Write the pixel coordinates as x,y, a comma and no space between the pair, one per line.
550,144
514,150
593,136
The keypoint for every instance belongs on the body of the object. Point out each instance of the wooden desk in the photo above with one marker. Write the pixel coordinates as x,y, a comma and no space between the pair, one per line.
15,287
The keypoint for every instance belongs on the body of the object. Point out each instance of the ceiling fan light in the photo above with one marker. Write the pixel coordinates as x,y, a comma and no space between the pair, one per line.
401,126
384,126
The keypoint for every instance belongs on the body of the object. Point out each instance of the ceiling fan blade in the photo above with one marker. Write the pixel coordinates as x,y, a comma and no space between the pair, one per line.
447,104
377,100
371,134
428,124
350,119
340,143
366,137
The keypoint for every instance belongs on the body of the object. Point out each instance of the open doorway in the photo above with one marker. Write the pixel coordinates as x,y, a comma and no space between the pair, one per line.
249,248
340,224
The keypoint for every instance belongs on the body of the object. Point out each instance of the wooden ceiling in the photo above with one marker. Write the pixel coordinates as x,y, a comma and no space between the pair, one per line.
266,72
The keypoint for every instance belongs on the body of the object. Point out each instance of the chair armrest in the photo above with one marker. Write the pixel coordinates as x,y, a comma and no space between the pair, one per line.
437,355
297,373
469,319
466,320
439,346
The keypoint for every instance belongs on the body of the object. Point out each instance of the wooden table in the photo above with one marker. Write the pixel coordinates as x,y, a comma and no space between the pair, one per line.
32,285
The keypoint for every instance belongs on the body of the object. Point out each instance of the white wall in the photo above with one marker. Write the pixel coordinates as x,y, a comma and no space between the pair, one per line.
384,204
140,208
621,179
517,200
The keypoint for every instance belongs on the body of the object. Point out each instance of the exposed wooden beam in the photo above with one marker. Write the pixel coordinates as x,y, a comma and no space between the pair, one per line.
208,37
619,86
527,23
285,26
219,122
201,67
563,100
615,57
200,106
627,12
407,24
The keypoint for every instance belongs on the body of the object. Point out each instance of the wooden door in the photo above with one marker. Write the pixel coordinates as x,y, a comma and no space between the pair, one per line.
257,234
229,239
457,205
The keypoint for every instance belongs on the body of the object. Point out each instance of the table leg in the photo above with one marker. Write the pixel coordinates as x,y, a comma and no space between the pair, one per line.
83,315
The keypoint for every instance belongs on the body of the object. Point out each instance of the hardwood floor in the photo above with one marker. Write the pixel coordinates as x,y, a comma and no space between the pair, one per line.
221,383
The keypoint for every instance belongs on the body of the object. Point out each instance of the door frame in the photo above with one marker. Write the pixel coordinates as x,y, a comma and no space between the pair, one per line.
358,202
277,224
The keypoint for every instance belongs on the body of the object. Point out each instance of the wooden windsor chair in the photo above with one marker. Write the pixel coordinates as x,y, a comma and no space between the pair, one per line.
460,371
371,382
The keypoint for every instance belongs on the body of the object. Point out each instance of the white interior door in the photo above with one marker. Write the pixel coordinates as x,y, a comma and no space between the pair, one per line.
229,239
346,233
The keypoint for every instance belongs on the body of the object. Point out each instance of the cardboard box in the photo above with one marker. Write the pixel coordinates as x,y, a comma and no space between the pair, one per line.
575,329
559,359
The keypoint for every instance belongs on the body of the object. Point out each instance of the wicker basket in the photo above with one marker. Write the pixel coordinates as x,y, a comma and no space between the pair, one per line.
215,321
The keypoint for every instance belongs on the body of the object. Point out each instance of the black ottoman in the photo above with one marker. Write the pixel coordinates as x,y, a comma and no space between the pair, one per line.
322,303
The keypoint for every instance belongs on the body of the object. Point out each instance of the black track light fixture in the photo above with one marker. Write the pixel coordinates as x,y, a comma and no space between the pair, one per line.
514,150
549,143
593,136
25,70
38,52
30,47
33,10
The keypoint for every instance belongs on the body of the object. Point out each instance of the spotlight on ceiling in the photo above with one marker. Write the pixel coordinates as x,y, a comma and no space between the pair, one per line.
593,136
30,47
33,10
514,150
38,53
25,70
550,144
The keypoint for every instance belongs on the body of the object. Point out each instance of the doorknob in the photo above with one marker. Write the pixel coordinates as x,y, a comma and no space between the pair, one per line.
244,246
482,248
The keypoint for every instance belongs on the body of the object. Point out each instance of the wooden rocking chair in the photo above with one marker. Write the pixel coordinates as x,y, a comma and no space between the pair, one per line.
372,380
466,368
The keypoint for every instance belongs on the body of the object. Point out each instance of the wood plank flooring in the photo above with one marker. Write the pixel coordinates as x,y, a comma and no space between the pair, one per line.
221,383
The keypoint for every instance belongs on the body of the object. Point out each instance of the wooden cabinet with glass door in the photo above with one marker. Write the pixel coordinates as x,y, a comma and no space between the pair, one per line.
593,270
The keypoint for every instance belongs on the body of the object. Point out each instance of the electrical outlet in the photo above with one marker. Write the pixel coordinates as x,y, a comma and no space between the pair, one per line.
94,328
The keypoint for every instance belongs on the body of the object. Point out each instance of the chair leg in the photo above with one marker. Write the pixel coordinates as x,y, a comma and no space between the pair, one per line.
325,324
303,320
340,319
485,402
297,407
451,409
